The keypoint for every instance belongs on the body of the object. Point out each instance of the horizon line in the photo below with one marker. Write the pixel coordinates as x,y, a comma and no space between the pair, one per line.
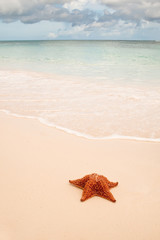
24,40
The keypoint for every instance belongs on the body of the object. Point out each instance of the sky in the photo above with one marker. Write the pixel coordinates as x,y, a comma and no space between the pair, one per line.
79,19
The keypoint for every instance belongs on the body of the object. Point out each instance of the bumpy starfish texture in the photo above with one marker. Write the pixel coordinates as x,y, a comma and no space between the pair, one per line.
95,185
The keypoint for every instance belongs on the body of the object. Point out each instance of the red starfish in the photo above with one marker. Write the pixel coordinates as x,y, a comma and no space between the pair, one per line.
95,185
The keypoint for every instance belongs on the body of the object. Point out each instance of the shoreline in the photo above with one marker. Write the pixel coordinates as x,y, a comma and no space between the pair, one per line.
84,108
78,134
37,201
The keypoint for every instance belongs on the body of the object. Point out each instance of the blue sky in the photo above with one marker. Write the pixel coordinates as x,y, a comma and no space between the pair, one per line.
79,19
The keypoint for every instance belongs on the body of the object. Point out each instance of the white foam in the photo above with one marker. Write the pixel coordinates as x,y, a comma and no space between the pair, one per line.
79,134
94,109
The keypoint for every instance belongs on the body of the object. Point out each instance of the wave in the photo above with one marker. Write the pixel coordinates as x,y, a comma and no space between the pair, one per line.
79,134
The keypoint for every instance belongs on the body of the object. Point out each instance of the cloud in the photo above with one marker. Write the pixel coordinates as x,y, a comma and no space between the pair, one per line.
51,13
52,35
79,11
101,17
19,7
50,10
75,32
16,9
133,10
81,4
112,29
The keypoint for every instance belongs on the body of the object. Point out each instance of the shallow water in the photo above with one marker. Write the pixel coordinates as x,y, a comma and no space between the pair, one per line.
95,89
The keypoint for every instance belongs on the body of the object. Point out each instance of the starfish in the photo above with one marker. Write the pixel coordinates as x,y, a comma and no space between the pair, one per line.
95,185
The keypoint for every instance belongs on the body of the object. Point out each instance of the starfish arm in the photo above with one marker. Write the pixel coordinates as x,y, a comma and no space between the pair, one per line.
104,191
108,195
80,182
87,191
110,184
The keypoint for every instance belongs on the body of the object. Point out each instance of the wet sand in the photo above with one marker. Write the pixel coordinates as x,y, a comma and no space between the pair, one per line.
38,203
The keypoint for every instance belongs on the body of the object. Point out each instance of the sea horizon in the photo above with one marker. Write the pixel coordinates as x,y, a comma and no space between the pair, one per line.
54,40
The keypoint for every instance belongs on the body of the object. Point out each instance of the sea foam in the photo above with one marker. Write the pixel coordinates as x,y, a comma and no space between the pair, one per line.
98,90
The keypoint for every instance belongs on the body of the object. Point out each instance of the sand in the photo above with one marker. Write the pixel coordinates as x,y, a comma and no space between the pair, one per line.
38,203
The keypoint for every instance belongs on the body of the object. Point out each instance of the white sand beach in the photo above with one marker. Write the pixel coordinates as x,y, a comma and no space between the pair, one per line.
38,202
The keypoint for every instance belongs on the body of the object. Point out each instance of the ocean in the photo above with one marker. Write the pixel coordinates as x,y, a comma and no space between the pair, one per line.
93,89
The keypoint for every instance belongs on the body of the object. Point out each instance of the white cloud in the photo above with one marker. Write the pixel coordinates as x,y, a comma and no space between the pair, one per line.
79,4
85,17
22,6
75,32
37,10
135,9
52,35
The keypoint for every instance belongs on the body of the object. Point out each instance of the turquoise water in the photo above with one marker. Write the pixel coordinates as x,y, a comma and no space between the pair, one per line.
96,89
112,60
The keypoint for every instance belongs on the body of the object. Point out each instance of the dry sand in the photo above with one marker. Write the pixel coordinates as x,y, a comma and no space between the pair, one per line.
38,203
